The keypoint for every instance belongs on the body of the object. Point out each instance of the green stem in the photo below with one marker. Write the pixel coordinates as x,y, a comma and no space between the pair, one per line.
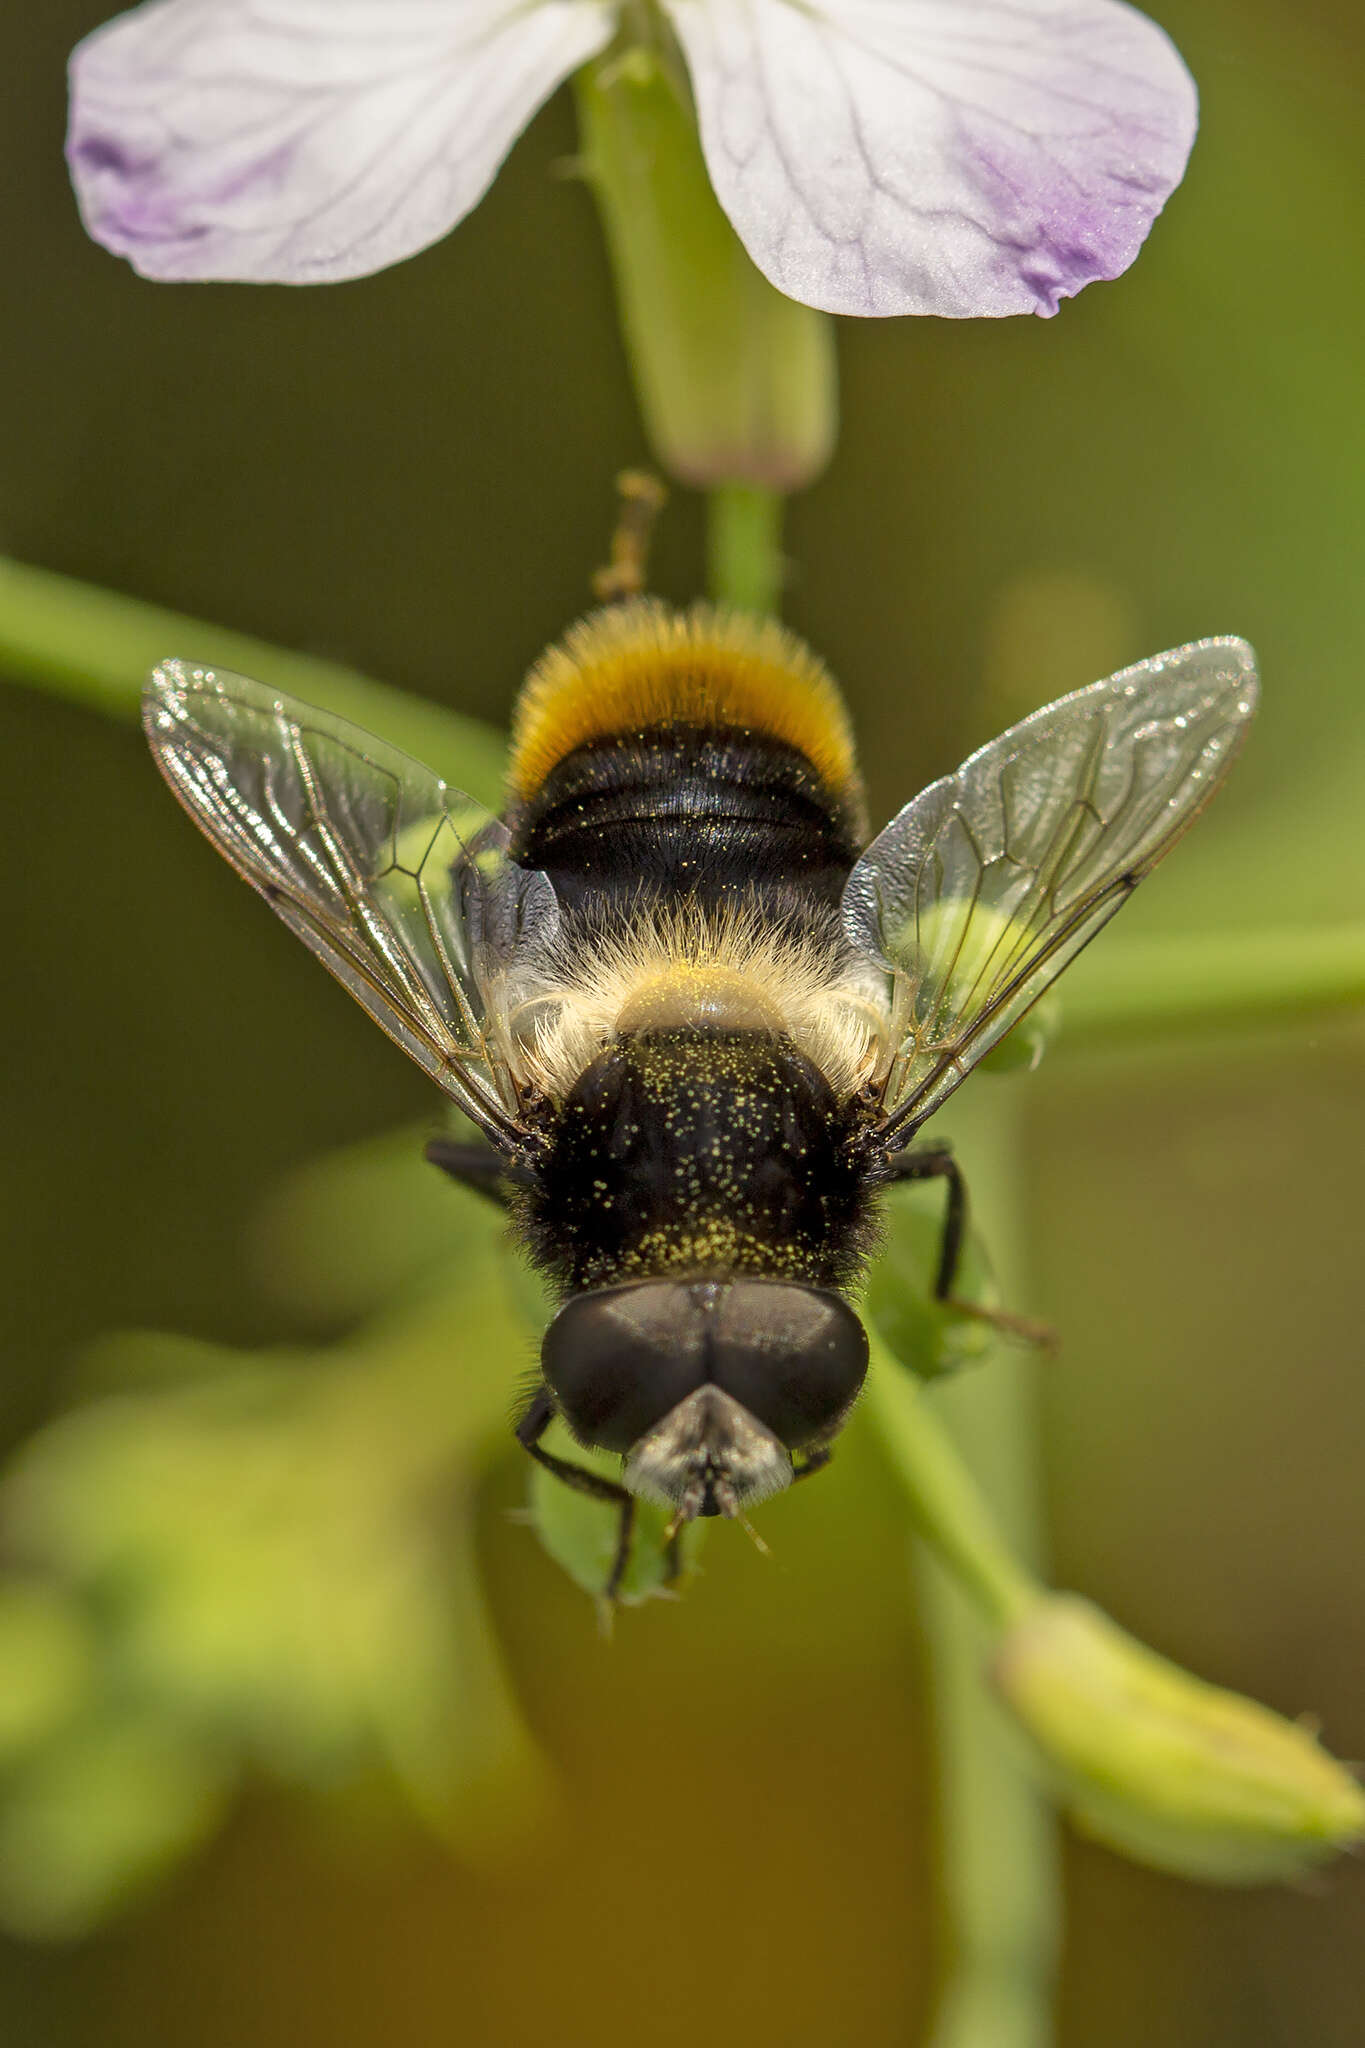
744,547
955,1448
74,640
997,1881
1196,981
945,1502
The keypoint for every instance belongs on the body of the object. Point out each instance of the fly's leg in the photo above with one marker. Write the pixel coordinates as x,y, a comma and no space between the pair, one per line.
530,1430
815,1461
936,1162
474,1166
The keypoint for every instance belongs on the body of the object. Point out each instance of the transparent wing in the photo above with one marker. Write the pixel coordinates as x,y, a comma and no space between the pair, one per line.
979,892
399,884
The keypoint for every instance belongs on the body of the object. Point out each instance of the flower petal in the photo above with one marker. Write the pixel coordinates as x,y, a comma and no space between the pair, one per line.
937,156
303,141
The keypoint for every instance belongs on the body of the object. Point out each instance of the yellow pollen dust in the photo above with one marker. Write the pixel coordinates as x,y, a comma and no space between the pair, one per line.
711,1243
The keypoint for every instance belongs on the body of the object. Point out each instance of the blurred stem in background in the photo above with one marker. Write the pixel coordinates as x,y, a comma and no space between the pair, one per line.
1159,1765
997,1870
97,648
744,547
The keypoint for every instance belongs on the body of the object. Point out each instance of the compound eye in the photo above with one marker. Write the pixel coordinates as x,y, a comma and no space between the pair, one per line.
618,1359
795,1357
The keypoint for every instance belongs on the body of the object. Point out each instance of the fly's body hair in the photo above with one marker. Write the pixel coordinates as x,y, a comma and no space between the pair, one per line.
639,666
702,1150
680,965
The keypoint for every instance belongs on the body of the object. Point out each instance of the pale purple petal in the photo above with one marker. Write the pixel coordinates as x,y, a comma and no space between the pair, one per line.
303,141
937,156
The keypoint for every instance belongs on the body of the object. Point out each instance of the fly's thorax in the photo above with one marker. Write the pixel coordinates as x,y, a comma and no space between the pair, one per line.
678,966
702,1151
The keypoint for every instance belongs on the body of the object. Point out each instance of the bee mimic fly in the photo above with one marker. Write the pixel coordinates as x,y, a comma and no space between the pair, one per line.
697,1017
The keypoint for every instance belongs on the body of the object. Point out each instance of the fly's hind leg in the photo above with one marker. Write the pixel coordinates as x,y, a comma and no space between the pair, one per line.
529,1431
936,1162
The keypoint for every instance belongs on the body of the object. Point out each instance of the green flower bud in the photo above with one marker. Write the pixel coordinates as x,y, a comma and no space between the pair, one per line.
1165,1768
736,382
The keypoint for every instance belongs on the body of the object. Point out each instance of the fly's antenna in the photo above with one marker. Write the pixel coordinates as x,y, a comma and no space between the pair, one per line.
643,497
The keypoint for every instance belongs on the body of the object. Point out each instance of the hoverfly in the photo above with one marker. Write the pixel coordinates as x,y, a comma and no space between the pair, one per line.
696,1016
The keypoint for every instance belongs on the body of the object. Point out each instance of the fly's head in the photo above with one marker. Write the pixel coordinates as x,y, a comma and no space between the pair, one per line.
707,1388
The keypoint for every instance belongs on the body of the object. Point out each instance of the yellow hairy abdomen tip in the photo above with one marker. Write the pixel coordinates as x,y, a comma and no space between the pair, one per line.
637,665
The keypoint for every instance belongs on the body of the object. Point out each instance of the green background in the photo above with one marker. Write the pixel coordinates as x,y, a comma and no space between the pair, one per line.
414,473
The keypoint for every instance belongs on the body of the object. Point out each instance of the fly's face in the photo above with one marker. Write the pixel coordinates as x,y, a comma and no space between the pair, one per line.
710,1390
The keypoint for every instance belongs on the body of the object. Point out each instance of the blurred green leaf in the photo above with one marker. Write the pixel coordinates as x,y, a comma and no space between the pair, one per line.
1022,1049
265,1561
93,1820
47,1659
342,1235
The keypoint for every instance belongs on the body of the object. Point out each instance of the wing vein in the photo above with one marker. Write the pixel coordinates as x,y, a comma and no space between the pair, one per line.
980,891
316,815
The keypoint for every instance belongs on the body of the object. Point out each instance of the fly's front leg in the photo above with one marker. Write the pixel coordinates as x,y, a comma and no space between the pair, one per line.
936,1162
815,1461
530,1430
477,1167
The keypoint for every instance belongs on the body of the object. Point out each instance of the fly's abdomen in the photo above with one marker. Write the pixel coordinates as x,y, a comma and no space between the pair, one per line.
702,755
712,814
